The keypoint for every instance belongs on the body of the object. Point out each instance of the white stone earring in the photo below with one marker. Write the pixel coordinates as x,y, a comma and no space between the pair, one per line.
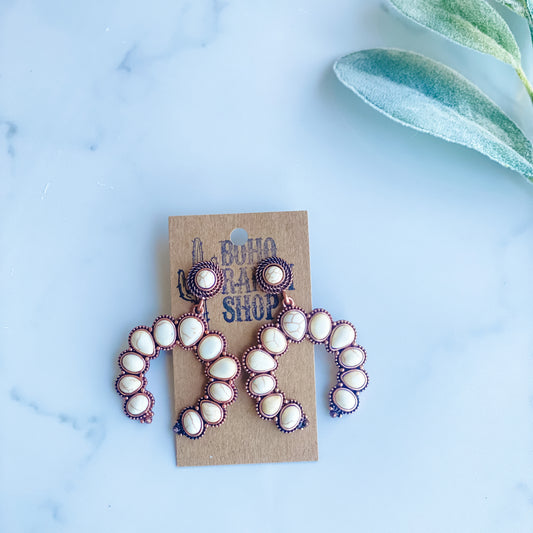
190,331
293,325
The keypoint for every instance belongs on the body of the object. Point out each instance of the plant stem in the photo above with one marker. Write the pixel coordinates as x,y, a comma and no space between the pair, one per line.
525,81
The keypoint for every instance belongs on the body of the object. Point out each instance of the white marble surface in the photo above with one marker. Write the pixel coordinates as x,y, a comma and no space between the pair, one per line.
111,116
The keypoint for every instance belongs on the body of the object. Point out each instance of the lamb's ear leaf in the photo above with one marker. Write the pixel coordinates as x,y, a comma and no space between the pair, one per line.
518,6
431,97
471,23
529,6
524,8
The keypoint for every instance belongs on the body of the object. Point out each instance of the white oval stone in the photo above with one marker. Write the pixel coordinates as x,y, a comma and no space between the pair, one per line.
205,278
294,324
223,368
190,330
262,384
212,413
138,404
271,404
142,341
345,399
320,326
132,362
342,336
260,361
274,274
165,332
273,340
129,384
192,422
220,392
210,347
355,379
352,357
290,416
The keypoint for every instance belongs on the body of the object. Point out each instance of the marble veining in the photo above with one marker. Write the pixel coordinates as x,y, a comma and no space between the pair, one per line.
10,129
91,429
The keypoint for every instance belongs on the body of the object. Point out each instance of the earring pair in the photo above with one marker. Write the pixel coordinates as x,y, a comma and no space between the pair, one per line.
190,331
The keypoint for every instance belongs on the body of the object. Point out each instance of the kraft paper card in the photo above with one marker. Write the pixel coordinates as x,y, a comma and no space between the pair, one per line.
238,311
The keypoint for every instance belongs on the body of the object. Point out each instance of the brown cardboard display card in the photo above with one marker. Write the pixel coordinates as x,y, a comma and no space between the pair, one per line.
238,311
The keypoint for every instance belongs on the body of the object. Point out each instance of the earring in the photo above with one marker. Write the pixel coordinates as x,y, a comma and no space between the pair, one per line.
190,331
293,325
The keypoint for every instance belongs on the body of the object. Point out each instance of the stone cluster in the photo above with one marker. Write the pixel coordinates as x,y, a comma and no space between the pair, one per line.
191,333
293,326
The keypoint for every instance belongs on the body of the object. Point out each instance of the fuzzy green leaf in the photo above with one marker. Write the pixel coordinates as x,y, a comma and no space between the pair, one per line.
524,8
529,16
518,6
471,23
431,97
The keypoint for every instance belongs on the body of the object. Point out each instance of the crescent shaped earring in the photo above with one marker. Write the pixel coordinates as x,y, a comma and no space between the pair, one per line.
190,332
293,325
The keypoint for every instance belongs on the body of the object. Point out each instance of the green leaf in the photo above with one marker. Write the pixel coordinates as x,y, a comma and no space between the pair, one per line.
430,97
471,23
530,17
518,6
524,8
